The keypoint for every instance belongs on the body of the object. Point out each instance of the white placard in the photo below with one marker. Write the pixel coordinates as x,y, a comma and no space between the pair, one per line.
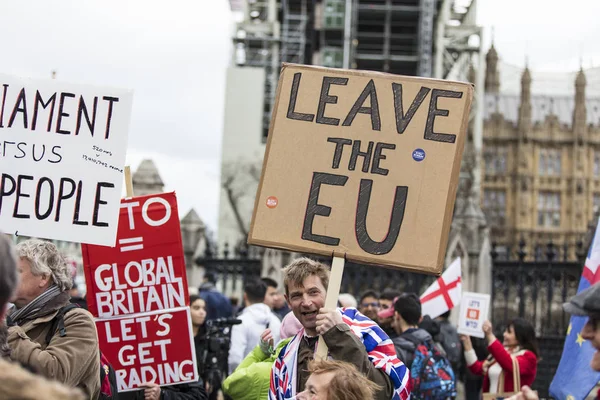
62,155
474,308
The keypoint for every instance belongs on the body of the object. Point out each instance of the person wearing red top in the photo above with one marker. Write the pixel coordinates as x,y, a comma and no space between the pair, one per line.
519,342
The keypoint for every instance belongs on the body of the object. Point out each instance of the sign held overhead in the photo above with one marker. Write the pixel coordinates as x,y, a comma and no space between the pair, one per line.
146,270
362,164
62,153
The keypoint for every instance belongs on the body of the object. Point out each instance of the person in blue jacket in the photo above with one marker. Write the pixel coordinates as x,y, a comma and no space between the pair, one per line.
217,305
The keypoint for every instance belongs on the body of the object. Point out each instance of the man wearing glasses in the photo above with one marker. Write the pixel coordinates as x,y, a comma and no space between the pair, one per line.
369,304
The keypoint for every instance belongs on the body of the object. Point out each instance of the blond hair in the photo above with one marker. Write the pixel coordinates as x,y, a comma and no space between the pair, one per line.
300,269
347,383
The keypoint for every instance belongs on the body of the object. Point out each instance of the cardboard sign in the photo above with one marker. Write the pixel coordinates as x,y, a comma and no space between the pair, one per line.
474,308
363,165
62,154
146,270
152,347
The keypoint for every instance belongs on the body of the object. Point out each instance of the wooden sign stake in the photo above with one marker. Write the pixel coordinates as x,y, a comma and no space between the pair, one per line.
333,292
128,182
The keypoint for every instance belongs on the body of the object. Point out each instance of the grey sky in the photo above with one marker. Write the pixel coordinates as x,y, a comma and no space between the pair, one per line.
174,54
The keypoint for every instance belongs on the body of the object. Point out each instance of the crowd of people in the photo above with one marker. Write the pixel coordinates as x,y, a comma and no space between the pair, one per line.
379,346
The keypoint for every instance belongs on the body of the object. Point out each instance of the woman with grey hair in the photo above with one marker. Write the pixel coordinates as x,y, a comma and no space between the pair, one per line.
69,354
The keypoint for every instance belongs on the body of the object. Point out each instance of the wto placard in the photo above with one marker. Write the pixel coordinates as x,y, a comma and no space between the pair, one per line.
62,154
474,308
146,270
151,347
139,292
363,165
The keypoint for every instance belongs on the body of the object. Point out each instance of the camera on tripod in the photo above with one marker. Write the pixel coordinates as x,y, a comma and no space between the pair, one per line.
216,353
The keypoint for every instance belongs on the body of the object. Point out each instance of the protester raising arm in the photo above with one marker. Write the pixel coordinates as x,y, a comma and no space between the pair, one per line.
527,361
519,343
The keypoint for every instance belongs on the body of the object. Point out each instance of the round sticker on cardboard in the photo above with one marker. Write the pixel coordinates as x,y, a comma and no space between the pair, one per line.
272,201
418,155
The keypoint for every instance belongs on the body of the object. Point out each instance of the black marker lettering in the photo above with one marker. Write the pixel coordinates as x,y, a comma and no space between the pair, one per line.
20,107
21,150
43,152
339,147
110,100
54,149
20,180
313,208
373,110
291,113
434,112
40,101
82,110
76,220
62,196
4,192
362,236
357,153
98,202
326,98
46,214
3,104
61,113
4,147
378,156
402,120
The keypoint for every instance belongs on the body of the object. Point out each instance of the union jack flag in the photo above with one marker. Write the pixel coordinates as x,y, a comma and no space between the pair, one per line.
378,345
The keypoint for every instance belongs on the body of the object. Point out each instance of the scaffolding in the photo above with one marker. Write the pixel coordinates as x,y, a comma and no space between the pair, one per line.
293,33
404,37
387,35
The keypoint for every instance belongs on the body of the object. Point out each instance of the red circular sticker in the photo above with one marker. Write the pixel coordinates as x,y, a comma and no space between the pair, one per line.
272,201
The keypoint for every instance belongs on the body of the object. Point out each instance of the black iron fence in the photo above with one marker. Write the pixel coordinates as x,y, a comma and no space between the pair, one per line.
535,290
232,267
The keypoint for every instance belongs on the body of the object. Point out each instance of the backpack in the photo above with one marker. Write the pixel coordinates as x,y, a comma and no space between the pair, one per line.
452,346
108,377
431,374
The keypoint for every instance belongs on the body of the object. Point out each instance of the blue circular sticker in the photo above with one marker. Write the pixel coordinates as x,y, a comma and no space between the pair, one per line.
418,155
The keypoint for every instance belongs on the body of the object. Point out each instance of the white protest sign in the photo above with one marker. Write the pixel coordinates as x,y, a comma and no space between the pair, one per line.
474,308
62,154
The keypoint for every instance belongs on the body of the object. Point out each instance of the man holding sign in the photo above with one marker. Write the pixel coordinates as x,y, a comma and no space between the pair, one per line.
349,335
361,166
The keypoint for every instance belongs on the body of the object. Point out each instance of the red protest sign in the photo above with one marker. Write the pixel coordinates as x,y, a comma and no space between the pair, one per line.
145,271
144,348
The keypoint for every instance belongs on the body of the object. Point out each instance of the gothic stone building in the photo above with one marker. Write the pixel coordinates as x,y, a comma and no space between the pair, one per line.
541,163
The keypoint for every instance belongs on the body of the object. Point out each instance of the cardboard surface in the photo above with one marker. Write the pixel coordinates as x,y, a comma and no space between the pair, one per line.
62,153
474,309
146,270
339,179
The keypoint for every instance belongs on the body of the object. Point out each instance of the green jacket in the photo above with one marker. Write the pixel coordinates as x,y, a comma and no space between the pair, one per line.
250,380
